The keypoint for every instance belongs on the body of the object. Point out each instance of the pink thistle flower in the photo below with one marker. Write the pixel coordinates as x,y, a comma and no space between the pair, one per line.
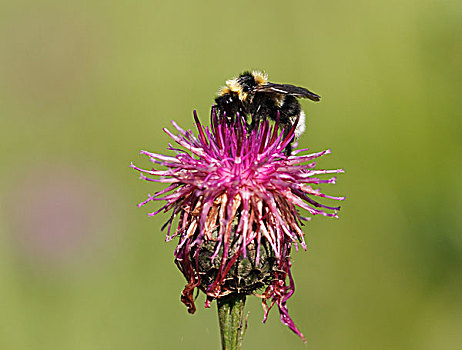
238,196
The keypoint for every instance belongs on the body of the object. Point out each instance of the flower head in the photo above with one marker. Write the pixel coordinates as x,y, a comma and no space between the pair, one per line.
237,196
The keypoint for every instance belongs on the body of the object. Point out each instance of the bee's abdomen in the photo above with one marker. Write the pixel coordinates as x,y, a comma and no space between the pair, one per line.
263,106
290,107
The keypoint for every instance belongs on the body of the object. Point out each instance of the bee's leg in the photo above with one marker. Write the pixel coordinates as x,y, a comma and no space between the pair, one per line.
288,149
288,110
285,123
253,122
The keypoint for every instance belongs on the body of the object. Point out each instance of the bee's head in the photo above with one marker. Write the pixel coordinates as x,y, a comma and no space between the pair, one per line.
245,84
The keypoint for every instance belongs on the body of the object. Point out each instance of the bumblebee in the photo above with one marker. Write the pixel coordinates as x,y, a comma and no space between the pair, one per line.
252,95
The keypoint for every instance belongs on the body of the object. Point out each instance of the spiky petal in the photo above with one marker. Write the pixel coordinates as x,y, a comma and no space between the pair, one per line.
238,190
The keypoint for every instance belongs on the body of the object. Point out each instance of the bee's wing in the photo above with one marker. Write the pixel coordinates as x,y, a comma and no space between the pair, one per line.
287,89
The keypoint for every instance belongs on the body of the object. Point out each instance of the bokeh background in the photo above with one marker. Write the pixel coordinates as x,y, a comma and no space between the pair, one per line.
84,85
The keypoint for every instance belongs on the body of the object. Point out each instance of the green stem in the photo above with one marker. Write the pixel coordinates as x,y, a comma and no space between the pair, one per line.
230,316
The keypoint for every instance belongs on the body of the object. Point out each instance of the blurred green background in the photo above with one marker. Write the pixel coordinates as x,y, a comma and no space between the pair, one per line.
85,85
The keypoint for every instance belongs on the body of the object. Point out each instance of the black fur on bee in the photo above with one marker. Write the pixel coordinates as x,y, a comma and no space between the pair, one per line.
251,95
